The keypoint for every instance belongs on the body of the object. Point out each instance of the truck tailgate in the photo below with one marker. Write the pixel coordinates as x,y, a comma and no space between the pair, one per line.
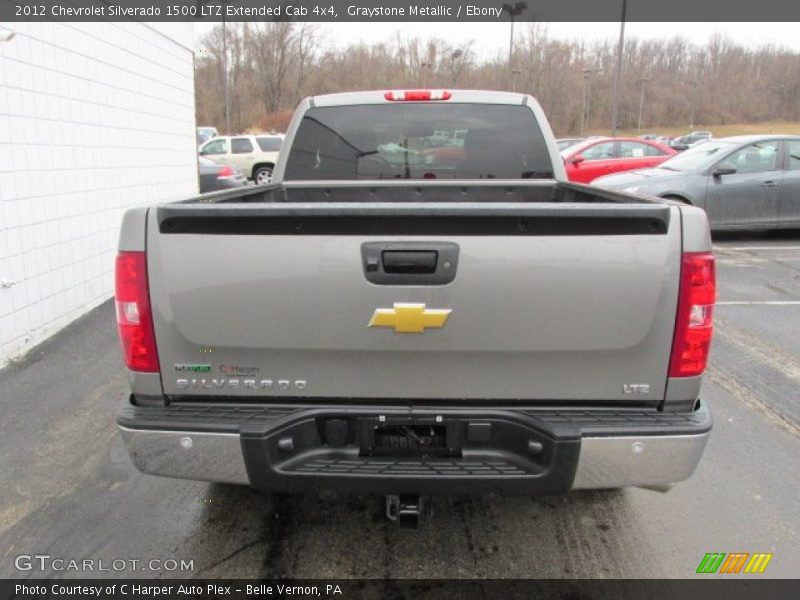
548,302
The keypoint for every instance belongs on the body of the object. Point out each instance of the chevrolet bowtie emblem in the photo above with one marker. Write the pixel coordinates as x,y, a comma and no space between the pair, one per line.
409,318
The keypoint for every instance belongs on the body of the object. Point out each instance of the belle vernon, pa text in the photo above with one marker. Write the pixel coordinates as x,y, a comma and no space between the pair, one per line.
136,589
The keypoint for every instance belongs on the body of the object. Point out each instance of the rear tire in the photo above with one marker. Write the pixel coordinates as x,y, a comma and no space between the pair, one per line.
262,175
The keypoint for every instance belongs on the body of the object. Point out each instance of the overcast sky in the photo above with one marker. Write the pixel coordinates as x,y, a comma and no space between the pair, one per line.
491,38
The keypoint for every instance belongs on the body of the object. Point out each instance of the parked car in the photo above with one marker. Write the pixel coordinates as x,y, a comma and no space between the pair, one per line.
256,155
214,177
742,182
370,338
205,133
649,136
678,144
564,143
601,156
690,139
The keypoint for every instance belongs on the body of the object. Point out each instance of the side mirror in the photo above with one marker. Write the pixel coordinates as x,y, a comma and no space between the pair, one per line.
724,168
577,159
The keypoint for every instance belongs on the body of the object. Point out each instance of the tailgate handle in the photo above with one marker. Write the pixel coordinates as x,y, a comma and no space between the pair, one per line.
409,261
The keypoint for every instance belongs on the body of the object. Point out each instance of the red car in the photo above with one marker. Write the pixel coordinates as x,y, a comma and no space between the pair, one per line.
602,156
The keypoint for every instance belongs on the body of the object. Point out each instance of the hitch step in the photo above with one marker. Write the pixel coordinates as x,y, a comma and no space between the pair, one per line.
408,510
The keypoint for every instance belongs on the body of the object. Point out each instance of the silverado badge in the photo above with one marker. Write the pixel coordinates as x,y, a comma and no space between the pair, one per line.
409,318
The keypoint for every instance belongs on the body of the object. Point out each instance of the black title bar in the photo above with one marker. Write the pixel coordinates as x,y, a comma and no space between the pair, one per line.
744,588
400,10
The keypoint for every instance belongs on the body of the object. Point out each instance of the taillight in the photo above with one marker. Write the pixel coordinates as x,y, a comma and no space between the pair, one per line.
134,318
226,171
416,95
694,323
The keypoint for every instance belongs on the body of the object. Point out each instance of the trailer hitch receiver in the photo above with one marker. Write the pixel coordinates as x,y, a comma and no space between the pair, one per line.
408,510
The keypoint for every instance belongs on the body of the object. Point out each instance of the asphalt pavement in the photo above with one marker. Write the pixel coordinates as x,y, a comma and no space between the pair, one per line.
69,490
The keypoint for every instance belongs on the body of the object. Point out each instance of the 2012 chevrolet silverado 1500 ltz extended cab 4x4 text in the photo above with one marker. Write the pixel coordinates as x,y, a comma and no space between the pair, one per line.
412,314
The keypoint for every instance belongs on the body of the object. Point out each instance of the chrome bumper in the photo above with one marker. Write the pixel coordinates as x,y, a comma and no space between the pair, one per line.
214,457
644,461
604,462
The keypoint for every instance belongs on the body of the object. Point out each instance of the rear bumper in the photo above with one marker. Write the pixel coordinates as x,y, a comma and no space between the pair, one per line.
510,451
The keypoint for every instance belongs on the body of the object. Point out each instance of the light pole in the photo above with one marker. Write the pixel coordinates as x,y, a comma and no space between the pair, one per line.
618,72
588,74
695,84
454,56
781,91
424,68
642,83
515,73
513,11
226,84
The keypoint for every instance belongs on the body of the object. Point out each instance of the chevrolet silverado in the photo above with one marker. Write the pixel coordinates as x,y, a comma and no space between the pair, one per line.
385,319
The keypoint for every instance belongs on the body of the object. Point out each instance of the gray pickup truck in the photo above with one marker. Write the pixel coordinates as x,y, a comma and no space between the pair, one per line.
411,314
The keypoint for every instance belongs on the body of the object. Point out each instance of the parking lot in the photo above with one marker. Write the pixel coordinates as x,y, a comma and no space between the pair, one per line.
68,488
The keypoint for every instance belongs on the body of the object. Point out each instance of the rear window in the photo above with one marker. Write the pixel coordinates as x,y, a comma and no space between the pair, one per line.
269,144
419,141
638,150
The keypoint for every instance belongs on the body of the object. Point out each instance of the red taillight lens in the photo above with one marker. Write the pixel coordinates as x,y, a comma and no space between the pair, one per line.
134,318
694,323
226,171
416,95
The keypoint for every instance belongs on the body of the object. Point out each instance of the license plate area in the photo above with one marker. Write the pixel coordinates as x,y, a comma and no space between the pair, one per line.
408,438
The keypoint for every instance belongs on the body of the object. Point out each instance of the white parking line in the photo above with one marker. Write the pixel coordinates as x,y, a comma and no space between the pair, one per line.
759,303
717,247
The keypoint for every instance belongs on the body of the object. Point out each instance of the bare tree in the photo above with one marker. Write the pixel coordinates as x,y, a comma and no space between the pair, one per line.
272,65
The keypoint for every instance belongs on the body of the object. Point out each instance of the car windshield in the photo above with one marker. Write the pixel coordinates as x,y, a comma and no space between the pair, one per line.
698,157
419,141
